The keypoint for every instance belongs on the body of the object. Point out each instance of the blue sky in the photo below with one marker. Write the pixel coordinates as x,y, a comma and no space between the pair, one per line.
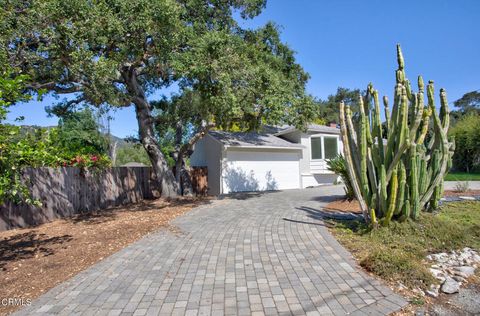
351,43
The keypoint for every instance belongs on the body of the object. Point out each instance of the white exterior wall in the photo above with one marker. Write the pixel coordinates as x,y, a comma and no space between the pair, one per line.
258,169
314,171
208,153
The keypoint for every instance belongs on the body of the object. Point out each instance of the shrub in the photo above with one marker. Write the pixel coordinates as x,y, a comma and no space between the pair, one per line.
467,143
338,166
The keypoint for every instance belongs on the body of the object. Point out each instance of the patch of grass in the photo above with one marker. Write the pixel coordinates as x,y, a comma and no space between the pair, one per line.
397,252
462,176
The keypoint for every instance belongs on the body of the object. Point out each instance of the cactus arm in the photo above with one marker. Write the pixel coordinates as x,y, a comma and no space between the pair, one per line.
352,135
425,122
382,191
444,112
414,200
401,189
444,158
371,174
392,199
387,114
402,138
367,114
362,143
418,113
378,128
350,167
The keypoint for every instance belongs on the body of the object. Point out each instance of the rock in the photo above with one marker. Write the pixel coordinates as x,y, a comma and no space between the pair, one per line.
441,279
436,272
401,287
458,278
450,286
420,312
464,271
440,257
433,290
418,292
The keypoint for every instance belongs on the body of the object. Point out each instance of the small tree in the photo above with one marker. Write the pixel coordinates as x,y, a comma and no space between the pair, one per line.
79,132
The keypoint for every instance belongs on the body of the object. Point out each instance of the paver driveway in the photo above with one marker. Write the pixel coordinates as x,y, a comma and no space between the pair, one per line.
257,254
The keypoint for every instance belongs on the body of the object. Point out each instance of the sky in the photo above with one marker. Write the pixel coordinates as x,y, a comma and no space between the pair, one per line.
349,43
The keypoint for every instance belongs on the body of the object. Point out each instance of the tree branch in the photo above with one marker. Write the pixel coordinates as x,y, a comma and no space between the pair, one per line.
53,87
195,138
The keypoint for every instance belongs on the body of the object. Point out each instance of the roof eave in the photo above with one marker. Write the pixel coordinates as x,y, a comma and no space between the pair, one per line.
263,147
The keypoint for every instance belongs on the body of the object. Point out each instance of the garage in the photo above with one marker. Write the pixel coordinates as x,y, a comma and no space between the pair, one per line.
258,169
249,161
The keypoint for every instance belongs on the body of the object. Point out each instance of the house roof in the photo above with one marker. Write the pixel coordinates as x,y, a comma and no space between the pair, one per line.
310,128
252,140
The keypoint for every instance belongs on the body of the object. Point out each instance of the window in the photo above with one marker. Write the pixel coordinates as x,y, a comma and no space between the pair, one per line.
316,146
331,147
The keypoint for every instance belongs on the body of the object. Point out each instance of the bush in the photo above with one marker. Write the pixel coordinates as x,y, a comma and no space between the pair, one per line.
339,166
467,143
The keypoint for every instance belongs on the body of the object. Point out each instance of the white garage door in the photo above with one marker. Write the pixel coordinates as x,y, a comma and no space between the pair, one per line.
260,171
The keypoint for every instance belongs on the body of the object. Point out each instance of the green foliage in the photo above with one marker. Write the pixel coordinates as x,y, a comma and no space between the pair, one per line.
251,78
39,147
11,186
328,109
132,153
11,91
79,133
469,102
339,167
398,179
397,253
467,139
242,75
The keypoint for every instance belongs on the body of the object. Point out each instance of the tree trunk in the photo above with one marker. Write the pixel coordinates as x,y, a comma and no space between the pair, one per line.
163,174
186,181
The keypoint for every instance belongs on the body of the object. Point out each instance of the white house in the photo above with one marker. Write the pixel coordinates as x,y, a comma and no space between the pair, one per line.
278,159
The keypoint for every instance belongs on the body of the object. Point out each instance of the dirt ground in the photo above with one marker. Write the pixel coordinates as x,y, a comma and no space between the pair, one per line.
33,260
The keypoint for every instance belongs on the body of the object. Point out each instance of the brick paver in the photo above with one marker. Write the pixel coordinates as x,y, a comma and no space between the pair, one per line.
256,254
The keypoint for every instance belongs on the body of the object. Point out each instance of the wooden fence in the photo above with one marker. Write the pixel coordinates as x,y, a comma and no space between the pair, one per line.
68,191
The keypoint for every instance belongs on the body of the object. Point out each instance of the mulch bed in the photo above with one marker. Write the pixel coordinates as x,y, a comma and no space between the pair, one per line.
34,260
343,206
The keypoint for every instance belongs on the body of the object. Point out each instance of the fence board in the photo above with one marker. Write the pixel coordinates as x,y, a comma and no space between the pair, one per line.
67,191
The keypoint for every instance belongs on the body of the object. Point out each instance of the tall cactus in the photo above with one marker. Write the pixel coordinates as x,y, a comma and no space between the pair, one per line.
397,167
